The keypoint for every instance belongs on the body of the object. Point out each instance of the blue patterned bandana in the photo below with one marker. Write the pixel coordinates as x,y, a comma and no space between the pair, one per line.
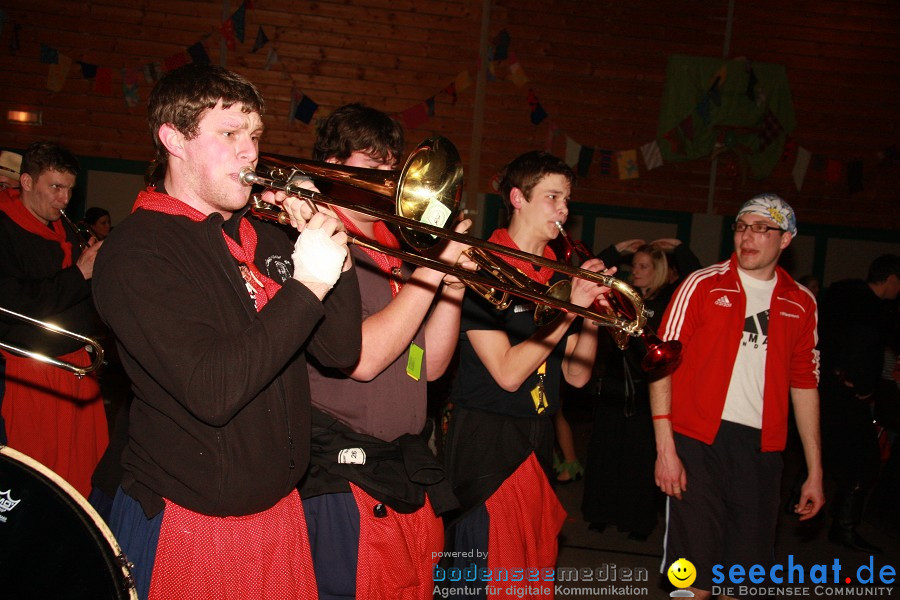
771,207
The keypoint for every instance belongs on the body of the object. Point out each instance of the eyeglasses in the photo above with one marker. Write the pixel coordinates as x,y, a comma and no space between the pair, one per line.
741,227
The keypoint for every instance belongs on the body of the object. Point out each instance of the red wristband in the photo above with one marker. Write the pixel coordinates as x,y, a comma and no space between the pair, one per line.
665,416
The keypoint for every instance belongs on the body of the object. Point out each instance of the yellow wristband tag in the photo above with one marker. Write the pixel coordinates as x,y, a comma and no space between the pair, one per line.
414,362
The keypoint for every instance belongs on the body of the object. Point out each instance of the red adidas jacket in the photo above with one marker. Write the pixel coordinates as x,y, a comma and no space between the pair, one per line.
707,315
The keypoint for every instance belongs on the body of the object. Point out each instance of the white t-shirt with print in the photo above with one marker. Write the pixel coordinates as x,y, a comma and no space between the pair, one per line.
744,401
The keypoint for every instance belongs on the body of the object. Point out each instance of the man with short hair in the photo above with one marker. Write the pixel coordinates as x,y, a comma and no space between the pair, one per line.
749,335
855,330
51,415
214,314
374,523
499,448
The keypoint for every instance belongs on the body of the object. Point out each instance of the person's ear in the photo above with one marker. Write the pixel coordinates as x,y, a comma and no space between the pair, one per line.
516,198
172,139
26,182
786,239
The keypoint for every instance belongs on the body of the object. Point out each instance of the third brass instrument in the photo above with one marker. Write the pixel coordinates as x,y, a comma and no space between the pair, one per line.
425,196
662,357
82,235
96,348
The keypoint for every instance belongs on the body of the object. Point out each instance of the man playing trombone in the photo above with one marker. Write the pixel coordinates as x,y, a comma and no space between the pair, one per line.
500,443
373,519
214,314
45,273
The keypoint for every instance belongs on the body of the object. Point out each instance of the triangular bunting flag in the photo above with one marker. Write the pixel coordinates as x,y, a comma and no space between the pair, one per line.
585,156
790,148
450,90
552,130
674,142
495,182
305,109
271,58
237,21
415,116
261,39
88,71
538,113
572,150
227,30
57,73
153,72
130,87
49,56
501,45
800,167
605,162
652,156
463,81
176,60
103,81
491,71
517,75
834,170
198,54
627,162
769,130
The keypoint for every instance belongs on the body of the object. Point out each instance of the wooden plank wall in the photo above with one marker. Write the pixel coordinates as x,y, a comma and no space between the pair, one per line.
597,68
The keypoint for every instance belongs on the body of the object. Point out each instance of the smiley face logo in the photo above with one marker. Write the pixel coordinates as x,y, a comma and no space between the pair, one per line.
682,573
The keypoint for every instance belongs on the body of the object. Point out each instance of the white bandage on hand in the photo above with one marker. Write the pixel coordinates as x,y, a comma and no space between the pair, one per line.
318,258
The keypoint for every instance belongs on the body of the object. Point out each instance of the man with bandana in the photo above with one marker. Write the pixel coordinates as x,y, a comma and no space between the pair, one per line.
721,419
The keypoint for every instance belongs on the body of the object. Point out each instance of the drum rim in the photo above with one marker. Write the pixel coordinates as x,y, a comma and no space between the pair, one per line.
82,503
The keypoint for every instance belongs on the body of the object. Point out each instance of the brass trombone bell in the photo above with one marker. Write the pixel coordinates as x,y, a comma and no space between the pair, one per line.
428,189
432,175
97,349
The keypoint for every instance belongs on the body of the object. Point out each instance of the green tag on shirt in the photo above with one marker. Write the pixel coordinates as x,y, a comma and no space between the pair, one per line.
414,362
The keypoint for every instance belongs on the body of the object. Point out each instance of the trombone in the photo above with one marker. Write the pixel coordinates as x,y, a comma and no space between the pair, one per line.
662,357
425,195
96,348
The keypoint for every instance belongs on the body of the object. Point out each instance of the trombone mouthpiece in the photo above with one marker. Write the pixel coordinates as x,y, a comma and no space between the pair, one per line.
248,176
559,226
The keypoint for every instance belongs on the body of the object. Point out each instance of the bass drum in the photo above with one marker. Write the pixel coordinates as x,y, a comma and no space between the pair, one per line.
53,544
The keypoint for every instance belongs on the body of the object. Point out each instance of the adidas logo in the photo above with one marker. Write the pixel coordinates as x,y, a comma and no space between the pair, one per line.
724,301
